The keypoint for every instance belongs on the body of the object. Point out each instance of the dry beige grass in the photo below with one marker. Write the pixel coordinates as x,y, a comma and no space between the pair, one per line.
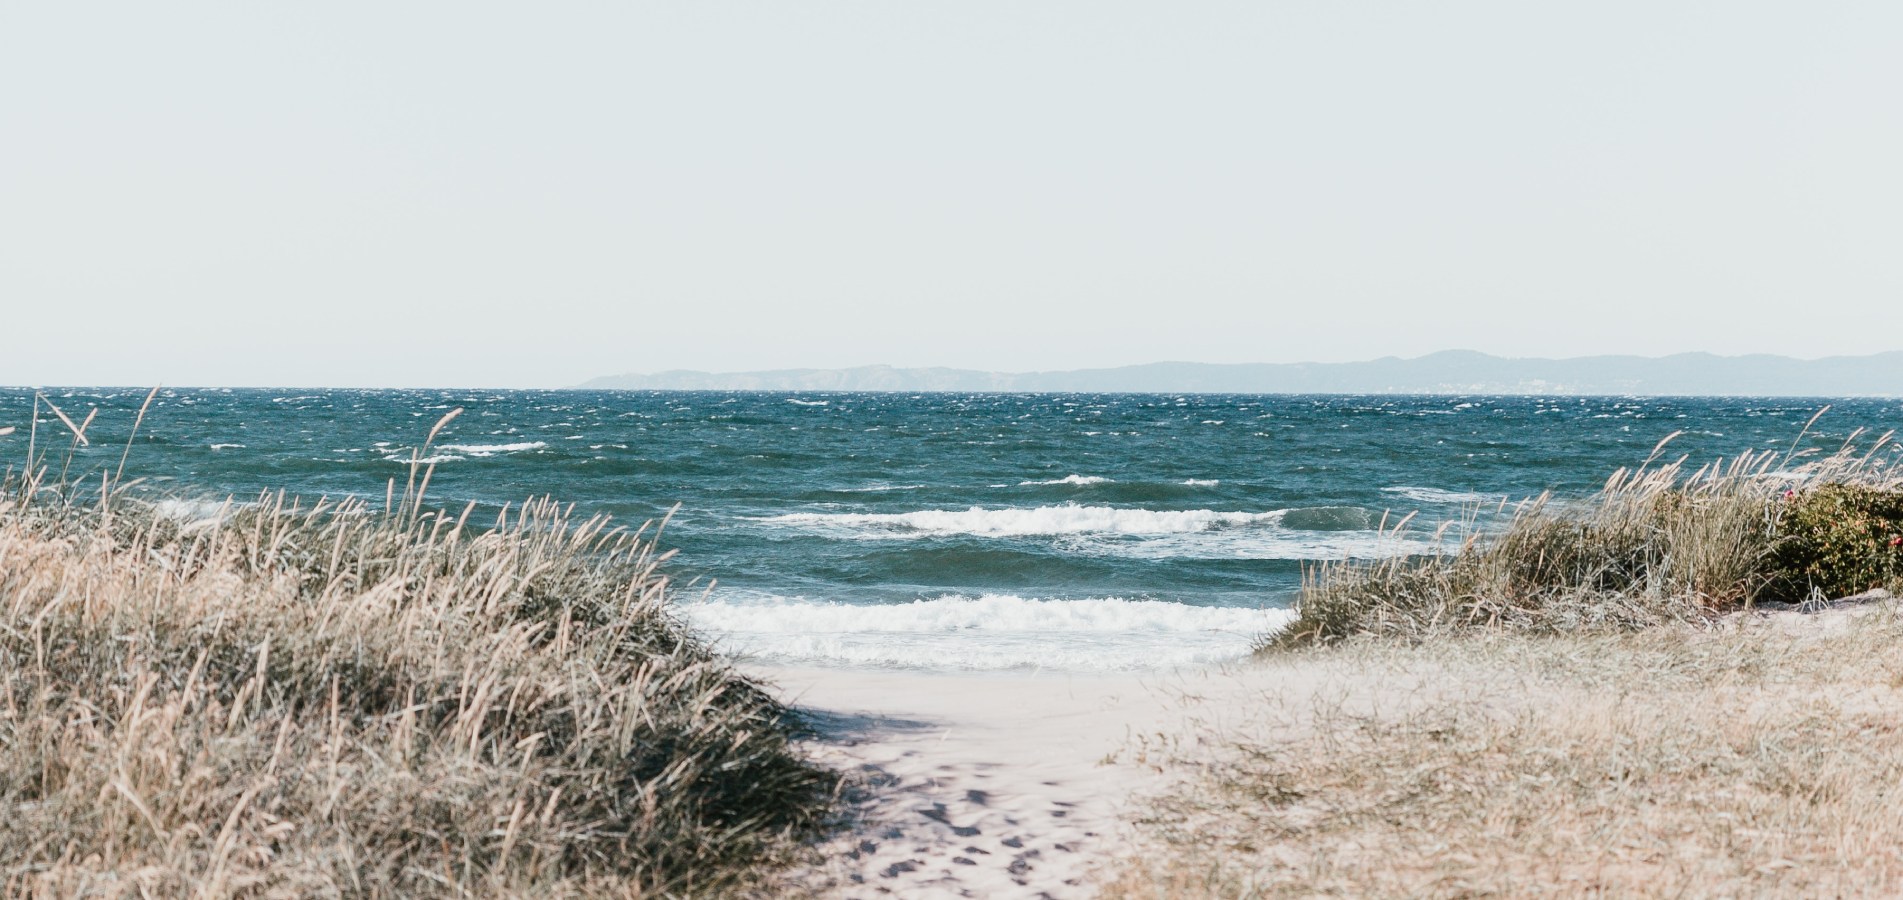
1762,758
332,700
1657,544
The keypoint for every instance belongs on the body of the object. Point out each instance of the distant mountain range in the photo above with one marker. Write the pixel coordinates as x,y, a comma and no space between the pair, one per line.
1448,372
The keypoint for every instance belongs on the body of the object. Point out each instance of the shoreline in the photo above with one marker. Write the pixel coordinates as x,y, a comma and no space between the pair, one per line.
1052,784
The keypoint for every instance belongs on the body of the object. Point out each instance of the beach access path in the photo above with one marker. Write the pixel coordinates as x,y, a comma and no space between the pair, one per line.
1037,784
1007,784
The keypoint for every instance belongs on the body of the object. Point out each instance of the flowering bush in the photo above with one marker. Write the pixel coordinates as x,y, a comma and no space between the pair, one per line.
1837,539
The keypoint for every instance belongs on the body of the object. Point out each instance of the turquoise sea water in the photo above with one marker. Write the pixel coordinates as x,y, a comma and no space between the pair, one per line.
954,531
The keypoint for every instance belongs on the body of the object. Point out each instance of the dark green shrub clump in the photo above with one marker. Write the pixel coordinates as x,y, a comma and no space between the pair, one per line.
1836,540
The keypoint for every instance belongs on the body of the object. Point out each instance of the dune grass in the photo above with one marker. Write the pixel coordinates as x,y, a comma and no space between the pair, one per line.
1658,544
282,698
1638,694
1756,759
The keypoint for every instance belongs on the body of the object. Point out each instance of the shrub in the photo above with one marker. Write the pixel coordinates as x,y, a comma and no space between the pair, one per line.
1653,546
1836,540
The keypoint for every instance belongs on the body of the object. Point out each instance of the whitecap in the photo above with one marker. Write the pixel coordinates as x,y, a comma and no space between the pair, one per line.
1069,479
450,452
1068,518
989,632
195,512
1439,495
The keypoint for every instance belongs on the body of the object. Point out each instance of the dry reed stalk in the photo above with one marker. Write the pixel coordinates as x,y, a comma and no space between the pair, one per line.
1658,543
290,699
1755,760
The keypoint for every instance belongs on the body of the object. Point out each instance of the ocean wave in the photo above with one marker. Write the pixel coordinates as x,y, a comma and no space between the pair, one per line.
1069,479
195,512
1329,518
1258,544
492,449
451,452
227,446
1071,519
1201,482
993,631
1065,519
798,402
1438,495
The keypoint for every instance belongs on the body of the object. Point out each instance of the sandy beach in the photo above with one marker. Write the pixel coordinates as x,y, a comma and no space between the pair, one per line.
979,785
1028,784
1000,784
1052,784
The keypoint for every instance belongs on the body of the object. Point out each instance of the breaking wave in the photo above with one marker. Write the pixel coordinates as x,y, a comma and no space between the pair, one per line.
989,632
1073,519
448,452
1069,479
1067,518
1437,495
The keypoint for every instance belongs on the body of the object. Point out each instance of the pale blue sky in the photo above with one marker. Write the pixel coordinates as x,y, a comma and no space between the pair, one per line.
534,194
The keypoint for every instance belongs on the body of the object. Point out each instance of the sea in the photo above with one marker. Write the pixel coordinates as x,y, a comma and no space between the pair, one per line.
1076,532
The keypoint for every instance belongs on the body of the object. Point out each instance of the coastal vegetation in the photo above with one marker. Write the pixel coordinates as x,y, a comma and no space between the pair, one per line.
1658,544
1754,757
295,698
1655,691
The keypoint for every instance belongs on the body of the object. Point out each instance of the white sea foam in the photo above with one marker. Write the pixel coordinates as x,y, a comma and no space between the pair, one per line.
227,446
798,402
995,631
451,452
1068,518
1438,495
195,512
1069,479
493,449
1202,482
1256,543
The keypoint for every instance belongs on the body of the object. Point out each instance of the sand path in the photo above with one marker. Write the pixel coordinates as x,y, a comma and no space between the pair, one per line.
995,785
1024,785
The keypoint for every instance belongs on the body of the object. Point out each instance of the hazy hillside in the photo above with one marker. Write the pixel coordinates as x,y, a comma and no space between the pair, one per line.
1449,372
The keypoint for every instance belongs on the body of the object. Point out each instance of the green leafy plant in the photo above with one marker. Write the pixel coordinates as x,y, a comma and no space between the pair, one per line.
1836,540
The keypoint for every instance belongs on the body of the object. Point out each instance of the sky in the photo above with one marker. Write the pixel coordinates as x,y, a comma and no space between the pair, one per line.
531,195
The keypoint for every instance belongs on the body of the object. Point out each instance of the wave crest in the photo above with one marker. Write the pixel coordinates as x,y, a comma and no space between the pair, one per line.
450,452
1065,519
1440,495
1069,479
994,631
